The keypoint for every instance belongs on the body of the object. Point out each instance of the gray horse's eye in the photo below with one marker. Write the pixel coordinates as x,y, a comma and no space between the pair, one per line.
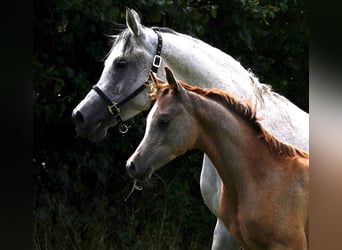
120,64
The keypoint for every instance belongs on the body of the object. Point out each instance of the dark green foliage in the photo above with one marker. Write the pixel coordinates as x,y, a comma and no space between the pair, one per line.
80,187
269,37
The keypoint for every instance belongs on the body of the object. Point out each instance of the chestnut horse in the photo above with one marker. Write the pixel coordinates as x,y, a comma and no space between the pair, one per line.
265,182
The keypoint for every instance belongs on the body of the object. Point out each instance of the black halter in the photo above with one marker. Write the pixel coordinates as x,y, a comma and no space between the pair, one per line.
114,107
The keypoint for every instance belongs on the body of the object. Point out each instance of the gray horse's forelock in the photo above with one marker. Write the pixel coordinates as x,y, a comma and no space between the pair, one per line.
125,36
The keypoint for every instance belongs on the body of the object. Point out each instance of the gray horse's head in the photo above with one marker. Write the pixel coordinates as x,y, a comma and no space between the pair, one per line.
125,69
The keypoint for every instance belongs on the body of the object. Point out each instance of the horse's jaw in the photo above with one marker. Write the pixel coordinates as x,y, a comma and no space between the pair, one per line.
95,134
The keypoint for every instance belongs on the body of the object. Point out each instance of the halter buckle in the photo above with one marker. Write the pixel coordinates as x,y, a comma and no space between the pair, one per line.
115,106
157,61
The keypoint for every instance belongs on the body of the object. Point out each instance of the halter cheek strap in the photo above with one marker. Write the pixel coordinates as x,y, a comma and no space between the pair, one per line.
157,58
114,107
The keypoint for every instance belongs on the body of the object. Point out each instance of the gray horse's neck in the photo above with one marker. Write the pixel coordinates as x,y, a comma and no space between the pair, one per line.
194,61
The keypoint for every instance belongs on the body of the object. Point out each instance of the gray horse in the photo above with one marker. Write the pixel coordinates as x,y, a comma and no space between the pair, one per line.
121,93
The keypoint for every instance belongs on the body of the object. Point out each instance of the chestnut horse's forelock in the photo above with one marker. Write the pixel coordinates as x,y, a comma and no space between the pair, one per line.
245,110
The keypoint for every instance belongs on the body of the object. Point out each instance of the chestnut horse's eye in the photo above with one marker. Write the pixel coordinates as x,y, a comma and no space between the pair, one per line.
164,120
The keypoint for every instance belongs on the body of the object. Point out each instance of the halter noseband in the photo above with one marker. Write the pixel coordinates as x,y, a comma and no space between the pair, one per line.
114,107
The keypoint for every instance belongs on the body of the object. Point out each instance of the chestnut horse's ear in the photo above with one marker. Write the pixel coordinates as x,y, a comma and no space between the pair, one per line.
133,22
172,80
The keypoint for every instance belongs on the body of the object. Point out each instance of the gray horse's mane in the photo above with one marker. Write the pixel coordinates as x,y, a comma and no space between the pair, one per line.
260,89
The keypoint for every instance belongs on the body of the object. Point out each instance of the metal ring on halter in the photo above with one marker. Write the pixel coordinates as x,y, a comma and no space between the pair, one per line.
123,128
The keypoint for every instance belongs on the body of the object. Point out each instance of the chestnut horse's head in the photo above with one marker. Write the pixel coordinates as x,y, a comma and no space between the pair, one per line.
170,130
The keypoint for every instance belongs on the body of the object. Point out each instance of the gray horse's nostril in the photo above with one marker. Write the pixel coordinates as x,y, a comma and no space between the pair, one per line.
78,117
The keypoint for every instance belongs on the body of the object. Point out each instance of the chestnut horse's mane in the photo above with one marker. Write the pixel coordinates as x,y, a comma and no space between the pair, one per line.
245,111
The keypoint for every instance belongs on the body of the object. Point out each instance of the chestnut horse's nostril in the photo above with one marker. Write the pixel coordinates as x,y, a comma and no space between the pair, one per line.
130,166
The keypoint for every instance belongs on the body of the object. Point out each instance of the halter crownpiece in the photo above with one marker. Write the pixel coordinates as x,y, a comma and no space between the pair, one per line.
114,107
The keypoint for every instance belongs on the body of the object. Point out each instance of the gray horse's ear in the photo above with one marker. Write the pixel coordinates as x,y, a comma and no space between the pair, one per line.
133,22
172,80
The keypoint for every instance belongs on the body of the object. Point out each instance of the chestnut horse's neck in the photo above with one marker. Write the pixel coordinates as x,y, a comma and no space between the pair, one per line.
233,138
223,137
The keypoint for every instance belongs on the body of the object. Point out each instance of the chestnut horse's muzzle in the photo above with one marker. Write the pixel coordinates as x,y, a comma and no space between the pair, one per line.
141,174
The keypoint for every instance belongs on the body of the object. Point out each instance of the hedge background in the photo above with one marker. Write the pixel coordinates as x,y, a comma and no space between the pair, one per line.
80,187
